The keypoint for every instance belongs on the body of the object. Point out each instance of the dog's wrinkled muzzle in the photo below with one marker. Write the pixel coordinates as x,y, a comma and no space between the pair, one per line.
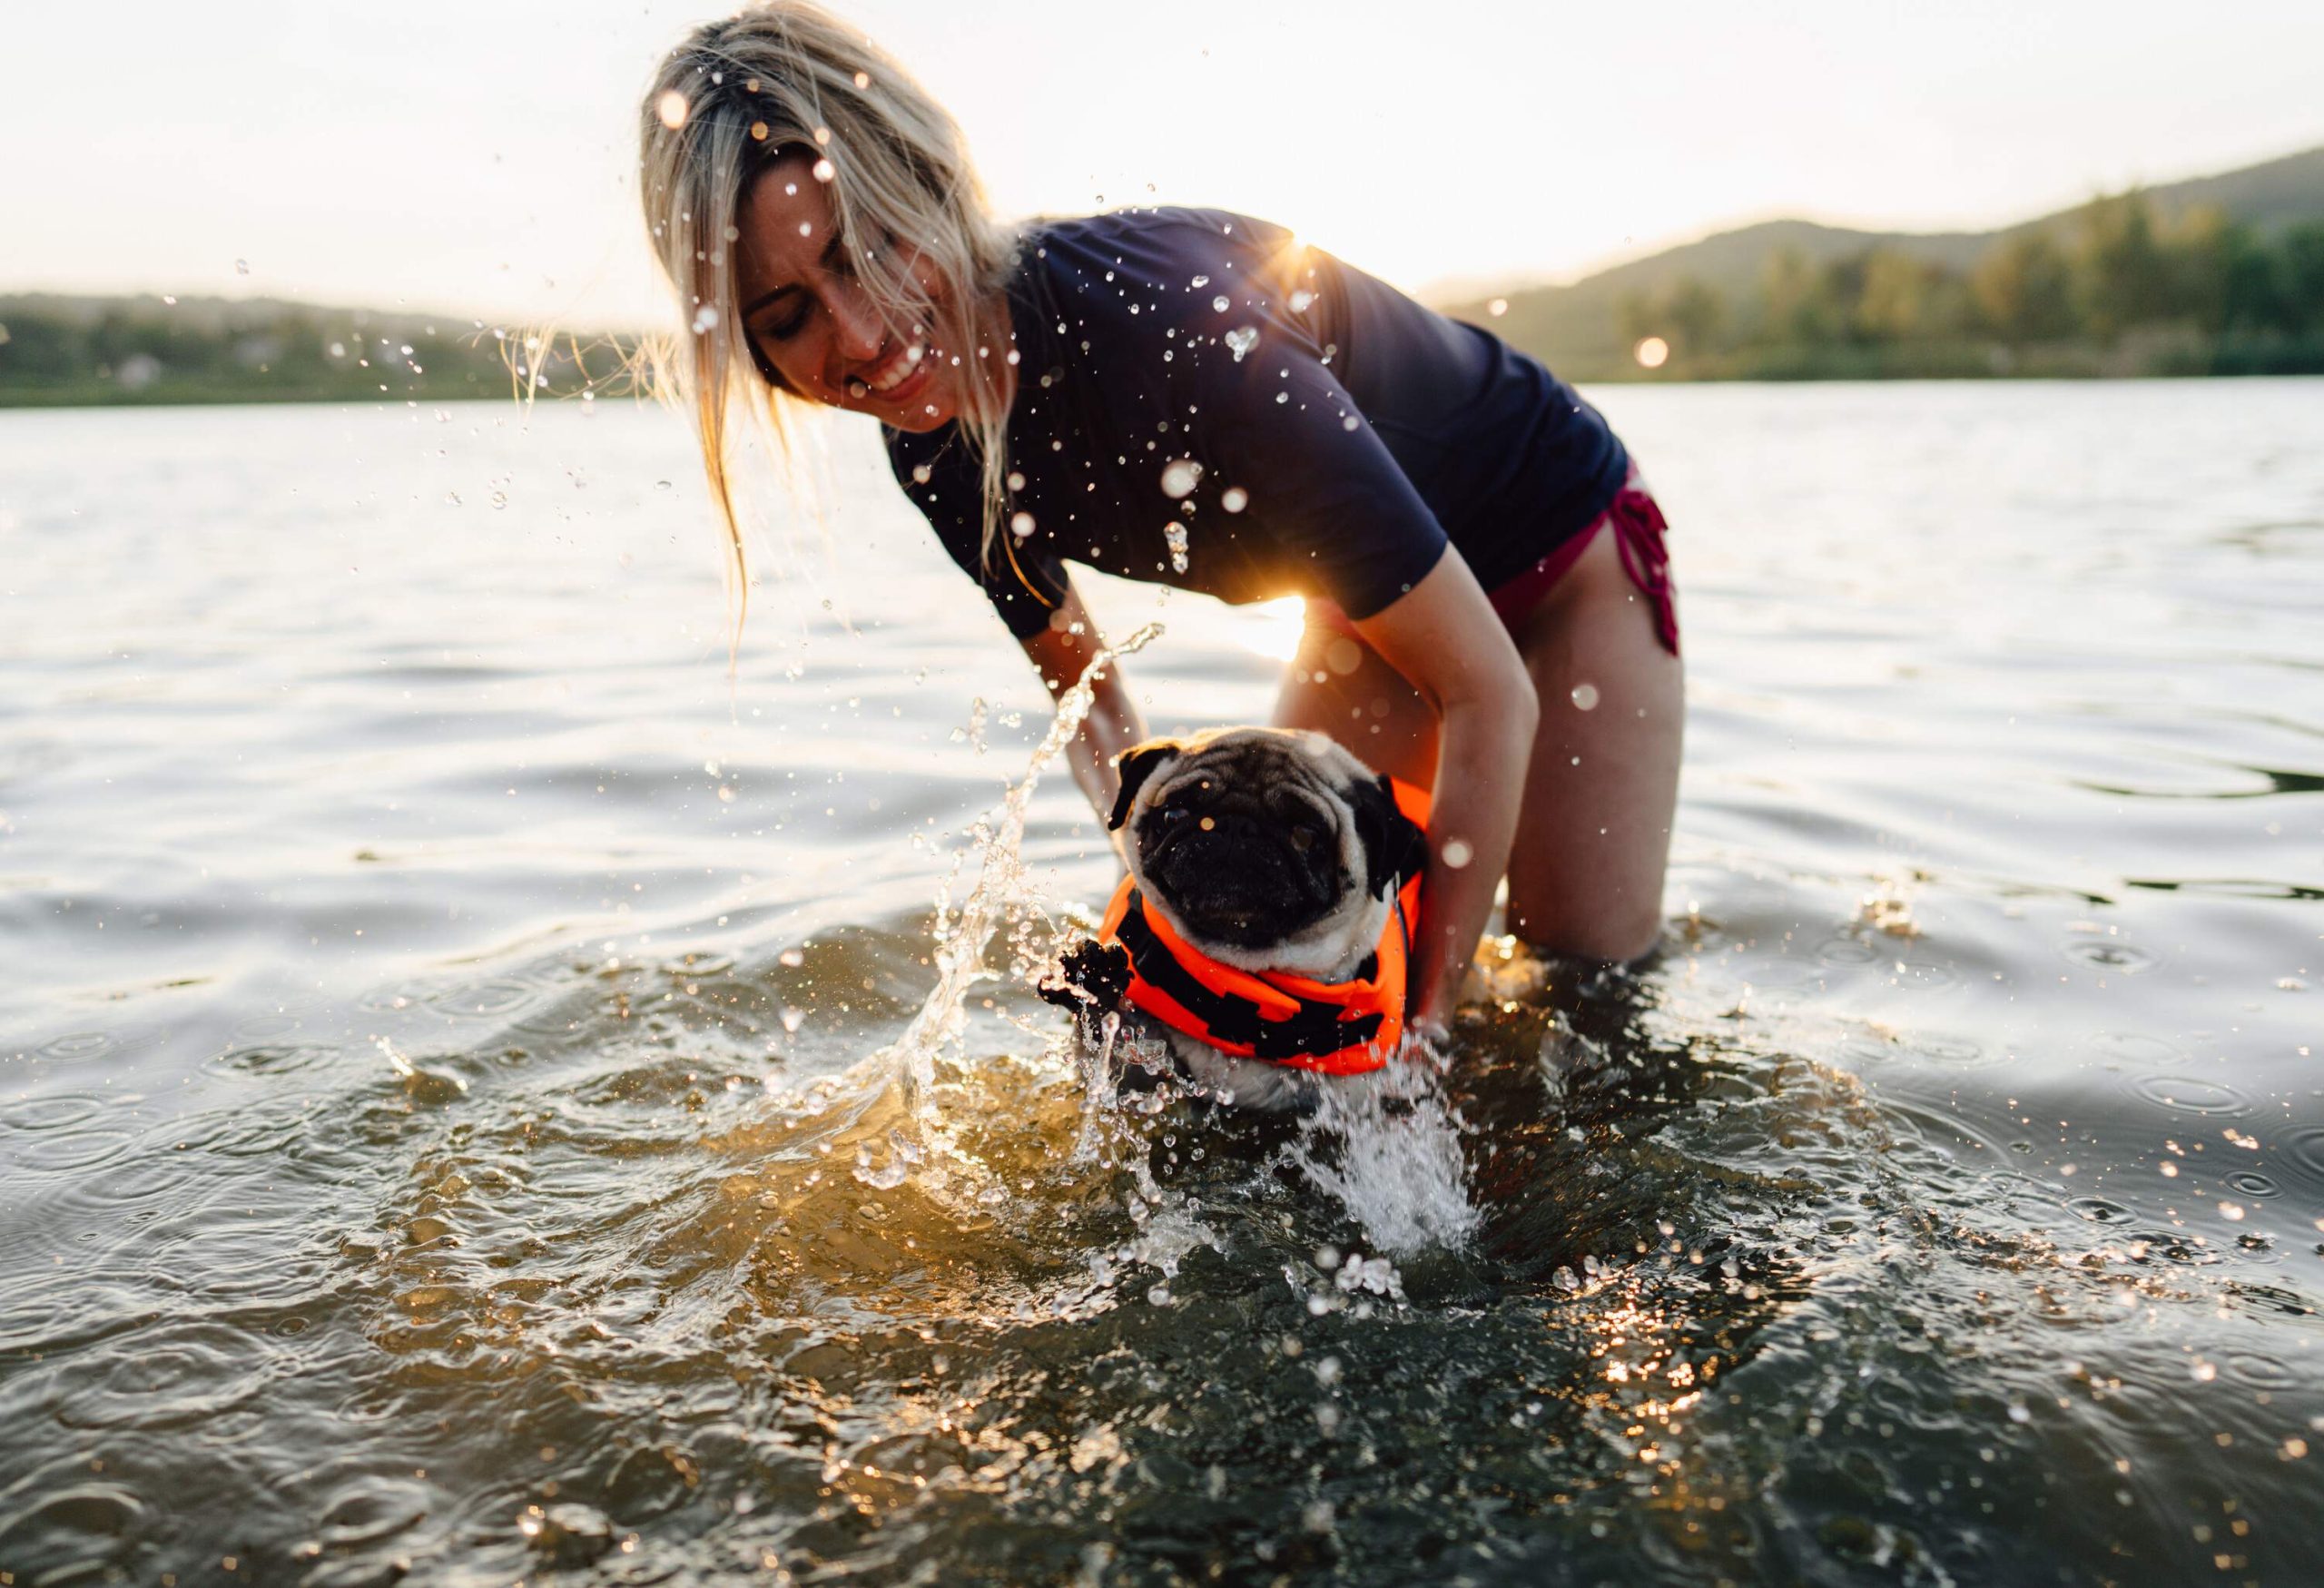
1236,876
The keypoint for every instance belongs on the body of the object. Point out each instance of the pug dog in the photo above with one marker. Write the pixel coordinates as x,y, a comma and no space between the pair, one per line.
1267,850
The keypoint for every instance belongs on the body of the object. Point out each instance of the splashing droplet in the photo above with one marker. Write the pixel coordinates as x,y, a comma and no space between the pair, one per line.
672,108
1242,339
1180,477
1458,853
1585,697
1234,498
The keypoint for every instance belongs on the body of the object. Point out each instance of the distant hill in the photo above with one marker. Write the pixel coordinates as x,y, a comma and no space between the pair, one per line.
2128,286
1576,325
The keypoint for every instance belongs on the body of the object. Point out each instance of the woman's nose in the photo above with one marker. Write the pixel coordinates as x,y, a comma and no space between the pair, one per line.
857,332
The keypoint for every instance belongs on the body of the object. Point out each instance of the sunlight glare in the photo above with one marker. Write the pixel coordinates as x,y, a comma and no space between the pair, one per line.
1272,628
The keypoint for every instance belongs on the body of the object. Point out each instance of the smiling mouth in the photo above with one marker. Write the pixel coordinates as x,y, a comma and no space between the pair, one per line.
898,366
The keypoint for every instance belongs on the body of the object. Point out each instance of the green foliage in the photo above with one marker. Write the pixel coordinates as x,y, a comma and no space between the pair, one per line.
2024,290
2119,288
73,351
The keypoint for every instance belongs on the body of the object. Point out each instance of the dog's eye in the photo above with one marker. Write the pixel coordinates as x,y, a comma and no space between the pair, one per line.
1174,815
1302,838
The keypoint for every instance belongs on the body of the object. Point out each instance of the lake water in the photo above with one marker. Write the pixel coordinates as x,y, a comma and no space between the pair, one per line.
457,1119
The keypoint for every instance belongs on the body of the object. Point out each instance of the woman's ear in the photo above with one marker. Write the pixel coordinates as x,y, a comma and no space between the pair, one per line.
1394,845
1133,766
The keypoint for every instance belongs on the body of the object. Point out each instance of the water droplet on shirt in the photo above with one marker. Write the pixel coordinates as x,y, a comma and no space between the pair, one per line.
1200,282
1242,339
1220,303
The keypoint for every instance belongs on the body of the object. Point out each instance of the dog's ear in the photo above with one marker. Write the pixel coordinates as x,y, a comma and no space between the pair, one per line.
1394,845
1134,765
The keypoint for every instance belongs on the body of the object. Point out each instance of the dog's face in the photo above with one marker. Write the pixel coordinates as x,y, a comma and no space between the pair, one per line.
1266,849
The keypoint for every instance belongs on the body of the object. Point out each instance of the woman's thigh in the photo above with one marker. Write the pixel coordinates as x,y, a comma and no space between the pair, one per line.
1340,686
1593,839
1585,876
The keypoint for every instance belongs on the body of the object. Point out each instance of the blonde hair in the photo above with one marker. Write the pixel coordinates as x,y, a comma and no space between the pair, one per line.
736,95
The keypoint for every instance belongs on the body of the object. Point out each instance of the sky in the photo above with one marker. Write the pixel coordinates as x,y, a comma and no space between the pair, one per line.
477,156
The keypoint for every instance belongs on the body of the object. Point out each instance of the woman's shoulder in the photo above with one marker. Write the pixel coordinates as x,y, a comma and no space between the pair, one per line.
1167,261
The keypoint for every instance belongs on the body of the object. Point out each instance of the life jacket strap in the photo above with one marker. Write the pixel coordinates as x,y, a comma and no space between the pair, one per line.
1313,1027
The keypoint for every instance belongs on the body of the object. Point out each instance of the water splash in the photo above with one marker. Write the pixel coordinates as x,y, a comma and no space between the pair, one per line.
1388,1146
1000,891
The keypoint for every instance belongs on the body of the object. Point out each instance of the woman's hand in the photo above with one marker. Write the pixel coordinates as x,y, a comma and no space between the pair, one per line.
1113,725
1447,641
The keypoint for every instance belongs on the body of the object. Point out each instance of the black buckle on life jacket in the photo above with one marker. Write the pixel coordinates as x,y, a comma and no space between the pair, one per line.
1314,1027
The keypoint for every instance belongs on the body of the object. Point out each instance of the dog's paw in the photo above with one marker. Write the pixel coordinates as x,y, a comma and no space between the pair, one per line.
1090,976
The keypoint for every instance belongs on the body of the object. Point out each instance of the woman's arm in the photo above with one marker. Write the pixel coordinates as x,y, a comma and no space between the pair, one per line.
1445,639
1113,725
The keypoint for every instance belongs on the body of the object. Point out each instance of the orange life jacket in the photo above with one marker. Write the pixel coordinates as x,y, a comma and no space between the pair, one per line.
1332,1027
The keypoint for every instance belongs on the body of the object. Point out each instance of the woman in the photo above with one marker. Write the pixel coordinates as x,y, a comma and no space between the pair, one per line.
1191,396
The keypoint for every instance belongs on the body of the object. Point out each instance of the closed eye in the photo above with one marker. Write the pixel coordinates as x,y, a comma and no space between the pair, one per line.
834,263
789,326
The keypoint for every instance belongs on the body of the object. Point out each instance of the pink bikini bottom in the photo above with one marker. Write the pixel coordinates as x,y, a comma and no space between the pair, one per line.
1638,529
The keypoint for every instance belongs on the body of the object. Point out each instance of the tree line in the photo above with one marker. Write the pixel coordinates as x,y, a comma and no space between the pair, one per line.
2119,288
79,350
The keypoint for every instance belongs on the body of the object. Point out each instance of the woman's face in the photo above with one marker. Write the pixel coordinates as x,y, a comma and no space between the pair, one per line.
810,318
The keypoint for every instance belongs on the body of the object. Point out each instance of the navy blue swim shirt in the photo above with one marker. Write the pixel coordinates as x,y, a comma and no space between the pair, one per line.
1203,402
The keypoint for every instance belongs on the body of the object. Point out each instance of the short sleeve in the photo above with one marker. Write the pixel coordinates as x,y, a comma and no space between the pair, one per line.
1024,583
1272,422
